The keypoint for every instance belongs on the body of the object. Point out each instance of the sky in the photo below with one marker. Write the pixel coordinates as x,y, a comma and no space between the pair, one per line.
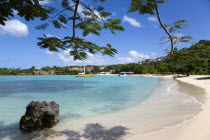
18,39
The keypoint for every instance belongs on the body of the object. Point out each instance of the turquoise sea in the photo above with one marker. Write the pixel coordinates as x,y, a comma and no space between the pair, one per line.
78,97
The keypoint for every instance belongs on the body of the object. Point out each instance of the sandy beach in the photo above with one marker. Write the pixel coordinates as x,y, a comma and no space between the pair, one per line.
127,124
178,110
195,129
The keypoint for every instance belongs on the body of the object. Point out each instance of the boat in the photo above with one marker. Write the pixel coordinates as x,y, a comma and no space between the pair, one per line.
84,75
126,73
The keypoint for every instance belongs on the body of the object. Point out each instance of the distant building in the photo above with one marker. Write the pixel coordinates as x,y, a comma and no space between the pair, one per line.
104,73
73,68
58,72
148,60
160,59
111,71
102,67
80,68
127,73
89,68
76,69
152,60
51,72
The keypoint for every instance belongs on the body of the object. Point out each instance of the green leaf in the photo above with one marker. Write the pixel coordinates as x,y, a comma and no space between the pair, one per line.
142,6
105,14
99,8
57,24
179,22
72,18
62,19
42,26
65,3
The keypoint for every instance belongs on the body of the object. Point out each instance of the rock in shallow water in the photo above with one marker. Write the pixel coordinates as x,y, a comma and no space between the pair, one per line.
39,115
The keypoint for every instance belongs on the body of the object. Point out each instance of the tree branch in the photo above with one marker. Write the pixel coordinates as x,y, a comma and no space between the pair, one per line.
60,13
74,19
161,24
92,12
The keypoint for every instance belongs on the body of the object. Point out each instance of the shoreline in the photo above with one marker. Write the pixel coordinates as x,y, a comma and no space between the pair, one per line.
188,130
129,120
134,134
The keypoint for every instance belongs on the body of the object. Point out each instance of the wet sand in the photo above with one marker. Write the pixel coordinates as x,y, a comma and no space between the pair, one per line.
170,121
194,129
172,118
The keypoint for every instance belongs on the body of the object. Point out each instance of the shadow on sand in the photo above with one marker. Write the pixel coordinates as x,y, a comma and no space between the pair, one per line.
203,78
182,76
90,132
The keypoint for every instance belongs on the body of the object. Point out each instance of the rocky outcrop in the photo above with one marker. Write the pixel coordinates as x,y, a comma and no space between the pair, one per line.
39,115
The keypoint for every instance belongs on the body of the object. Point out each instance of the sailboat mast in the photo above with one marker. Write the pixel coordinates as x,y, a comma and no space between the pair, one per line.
84,68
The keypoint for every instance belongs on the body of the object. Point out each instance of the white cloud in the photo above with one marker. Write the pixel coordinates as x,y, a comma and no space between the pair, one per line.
44,2
153,54
64,59
153,19
15,12
122,60
15,28
179,35
49,35
90,36
136,56
66,52
49,52
132,21
133,56
80,9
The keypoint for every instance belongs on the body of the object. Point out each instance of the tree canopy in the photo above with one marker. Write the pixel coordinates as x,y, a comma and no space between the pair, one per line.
28,9
151,7
77,16
193,60
90,20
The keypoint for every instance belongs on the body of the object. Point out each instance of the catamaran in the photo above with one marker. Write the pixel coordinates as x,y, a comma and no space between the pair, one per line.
84,75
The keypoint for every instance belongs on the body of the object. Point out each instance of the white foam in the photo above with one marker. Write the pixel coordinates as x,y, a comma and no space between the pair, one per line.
164,109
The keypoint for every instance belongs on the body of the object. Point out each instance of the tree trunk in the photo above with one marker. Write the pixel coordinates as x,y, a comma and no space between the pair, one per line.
164,28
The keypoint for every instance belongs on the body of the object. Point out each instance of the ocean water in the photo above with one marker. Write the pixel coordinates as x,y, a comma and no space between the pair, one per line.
78,97
139,105
167,106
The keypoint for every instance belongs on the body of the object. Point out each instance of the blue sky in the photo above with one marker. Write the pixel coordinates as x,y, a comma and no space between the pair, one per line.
140,38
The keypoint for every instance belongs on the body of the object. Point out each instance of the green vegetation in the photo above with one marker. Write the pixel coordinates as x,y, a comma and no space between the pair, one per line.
18,71
90,20
48,70
193,60
28,9
152,7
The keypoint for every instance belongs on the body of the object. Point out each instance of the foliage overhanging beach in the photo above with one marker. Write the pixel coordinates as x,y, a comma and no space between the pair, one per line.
104,70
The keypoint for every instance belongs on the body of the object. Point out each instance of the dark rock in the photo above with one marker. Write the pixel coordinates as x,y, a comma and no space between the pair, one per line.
39,115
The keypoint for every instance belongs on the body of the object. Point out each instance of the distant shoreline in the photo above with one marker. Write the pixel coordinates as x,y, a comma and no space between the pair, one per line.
145,75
